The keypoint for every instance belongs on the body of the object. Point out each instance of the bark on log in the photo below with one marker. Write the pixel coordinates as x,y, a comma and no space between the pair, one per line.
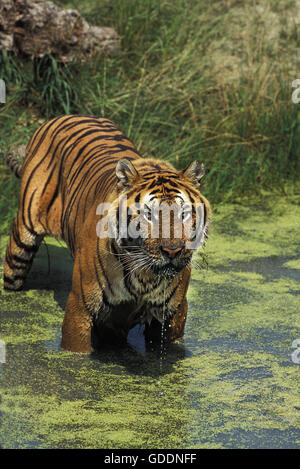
38,27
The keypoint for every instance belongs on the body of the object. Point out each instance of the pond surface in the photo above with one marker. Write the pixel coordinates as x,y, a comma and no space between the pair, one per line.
233,382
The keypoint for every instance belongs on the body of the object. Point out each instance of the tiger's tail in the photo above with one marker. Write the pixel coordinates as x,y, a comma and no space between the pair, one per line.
14,159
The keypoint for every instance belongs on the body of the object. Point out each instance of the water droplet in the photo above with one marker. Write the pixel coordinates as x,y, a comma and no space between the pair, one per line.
162,341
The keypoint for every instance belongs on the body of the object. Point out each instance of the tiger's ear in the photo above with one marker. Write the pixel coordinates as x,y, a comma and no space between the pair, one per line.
194,172
126,173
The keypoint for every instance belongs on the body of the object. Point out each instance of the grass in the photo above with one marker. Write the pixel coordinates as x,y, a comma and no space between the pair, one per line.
193,80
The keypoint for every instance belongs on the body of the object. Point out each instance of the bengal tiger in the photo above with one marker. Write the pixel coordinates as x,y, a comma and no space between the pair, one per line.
71,166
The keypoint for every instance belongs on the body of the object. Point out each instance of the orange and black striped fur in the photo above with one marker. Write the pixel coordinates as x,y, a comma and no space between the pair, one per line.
73,164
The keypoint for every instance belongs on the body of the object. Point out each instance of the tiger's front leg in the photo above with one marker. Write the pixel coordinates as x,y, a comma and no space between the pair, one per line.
78,320
77,326
177,324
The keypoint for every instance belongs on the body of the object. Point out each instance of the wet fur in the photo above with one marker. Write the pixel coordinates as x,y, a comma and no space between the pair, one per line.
69,168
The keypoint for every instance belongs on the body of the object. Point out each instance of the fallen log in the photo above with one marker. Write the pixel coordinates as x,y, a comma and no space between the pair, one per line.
39,27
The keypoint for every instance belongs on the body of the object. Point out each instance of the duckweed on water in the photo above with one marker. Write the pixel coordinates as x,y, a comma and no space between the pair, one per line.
230,383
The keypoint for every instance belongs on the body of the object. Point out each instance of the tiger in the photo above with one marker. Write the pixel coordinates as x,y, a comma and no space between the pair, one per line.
72,165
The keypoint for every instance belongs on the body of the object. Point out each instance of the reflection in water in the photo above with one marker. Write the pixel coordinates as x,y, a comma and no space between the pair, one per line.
136,339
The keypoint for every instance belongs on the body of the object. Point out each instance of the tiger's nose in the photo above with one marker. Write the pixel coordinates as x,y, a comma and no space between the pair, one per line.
171,252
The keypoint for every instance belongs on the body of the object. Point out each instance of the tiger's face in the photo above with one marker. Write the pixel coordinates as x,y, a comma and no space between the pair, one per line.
162,217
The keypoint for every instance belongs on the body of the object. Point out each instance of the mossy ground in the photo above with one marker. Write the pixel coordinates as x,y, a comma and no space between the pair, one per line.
231,383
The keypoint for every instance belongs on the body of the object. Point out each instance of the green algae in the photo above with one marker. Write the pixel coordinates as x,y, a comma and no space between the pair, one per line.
293,264
230,383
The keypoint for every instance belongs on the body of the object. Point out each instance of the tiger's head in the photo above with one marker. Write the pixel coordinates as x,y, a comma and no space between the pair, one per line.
162,217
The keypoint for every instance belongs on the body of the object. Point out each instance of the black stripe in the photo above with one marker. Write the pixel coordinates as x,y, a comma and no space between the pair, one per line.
153,184
83,183
19,277
19,260
8,280
172,183
48,126
27,248
55,194
83,148
48,180
9,263
104,297
102,269
30,229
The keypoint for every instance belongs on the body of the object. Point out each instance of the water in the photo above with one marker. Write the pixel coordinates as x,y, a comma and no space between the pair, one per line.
231,383
162,335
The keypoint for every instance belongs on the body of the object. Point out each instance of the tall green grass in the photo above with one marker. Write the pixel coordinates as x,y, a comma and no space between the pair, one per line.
193,80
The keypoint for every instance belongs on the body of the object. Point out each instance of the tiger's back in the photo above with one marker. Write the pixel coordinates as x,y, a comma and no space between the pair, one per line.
70,162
